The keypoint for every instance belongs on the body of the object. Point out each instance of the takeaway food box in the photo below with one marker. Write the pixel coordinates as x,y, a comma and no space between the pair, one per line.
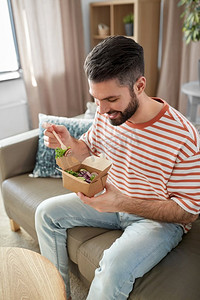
95,164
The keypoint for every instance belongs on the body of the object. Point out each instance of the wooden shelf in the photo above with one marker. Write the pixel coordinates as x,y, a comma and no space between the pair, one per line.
100,37
146,29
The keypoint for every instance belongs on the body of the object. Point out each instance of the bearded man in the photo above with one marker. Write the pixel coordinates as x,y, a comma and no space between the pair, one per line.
149,193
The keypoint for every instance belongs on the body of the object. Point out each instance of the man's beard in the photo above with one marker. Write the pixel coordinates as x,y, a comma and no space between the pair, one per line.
127,113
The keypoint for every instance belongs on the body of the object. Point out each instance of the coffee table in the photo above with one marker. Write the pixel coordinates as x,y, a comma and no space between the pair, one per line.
25,274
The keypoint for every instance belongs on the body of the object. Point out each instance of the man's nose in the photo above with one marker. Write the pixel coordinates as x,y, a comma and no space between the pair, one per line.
103,106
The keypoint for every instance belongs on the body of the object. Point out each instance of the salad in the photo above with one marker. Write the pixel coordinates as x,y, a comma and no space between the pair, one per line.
59,152
83,174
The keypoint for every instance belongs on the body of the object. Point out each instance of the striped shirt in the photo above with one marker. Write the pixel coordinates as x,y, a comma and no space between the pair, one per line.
159,159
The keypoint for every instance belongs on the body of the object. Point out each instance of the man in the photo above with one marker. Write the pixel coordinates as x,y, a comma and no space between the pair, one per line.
153,189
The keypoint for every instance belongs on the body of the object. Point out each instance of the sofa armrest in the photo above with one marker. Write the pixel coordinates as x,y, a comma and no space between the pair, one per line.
18,153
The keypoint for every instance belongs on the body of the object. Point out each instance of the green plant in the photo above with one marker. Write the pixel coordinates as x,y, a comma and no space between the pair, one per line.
128,19
191,15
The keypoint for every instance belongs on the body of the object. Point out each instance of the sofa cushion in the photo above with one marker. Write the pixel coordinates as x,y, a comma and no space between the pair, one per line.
45,159
79,235
90,252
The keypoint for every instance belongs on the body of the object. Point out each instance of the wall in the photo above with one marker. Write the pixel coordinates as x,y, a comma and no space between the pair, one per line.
13,108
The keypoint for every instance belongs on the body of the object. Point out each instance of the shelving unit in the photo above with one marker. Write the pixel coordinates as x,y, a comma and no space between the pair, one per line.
146,29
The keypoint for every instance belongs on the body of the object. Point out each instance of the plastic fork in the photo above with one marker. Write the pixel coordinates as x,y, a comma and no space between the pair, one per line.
59,140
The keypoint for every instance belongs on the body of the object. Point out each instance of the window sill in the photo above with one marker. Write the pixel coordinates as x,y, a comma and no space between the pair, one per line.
10,75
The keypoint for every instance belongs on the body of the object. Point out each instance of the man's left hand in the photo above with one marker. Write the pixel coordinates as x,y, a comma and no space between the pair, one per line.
109,201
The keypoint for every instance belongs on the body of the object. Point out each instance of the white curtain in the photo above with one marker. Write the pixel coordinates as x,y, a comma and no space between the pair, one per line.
51,46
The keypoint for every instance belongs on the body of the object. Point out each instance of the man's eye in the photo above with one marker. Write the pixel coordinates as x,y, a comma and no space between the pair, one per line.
112,100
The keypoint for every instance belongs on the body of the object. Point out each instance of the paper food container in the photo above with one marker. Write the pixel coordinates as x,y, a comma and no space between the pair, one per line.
96,164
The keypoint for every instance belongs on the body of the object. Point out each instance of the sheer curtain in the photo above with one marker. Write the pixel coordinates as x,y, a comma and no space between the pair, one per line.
179,61
51,46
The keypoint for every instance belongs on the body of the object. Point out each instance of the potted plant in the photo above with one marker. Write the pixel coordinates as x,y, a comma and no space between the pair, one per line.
128,21
191,24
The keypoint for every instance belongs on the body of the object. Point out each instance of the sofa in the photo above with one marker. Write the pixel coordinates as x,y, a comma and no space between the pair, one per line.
176,277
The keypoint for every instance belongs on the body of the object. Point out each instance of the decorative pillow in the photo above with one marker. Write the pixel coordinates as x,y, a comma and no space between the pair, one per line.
91,110
45,159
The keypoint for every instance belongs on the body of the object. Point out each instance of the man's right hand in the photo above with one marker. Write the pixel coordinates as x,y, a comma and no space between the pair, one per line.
49,138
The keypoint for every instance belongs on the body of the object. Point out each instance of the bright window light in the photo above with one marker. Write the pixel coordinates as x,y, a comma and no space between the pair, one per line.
8,56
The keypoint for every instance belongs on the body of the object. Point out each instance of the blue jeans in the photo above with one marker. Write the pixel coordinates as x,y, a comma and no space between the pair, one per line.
141,246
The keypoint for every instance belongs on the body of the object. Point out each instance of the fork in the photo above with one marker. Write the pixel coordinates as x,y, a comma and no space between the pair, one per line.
59,140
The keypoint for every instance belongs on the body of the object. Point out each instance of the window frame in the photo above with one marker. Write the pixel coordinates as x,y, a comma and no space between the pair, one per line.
9,75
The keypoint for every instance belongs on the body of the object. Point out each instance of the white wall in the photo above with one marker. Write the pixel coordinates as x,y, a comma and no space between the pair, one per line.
13,108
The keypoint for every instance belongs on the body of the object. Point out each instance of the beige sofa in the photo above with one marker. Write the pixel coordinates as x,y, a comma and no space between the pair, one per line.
176,277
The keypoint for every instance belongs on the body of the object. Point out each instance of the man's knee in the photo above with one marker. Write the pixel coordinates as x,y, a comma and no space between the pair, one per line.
40,214
44,210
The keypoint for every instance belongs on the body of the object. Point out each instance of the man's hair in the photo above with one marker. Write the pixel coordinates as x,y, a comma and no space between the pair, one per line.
116,57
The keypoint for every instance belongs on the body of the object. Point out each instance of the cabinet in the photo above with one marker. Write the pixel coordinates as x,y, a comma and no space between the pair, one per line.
146,29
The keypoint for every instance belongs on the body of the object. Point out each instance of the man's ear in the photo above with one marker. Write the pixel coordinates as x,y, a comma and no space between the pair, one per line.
140,85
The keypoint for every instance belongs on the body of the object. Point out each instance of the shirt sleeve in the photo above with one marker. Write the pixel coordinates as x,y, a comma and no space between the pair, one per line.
184,184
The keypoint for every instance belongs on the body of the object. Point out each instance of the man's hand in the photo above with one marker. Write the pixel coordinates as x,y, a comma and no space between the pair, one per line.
78,147
109,201
49,138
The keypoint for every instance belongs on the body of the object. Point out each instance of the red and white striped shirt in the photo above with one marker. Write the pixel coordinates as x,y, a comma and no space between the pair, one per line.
159,159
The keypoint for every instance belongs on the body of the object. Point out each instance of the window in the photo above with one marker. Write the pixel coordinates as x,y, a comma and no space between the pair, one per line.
9,56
